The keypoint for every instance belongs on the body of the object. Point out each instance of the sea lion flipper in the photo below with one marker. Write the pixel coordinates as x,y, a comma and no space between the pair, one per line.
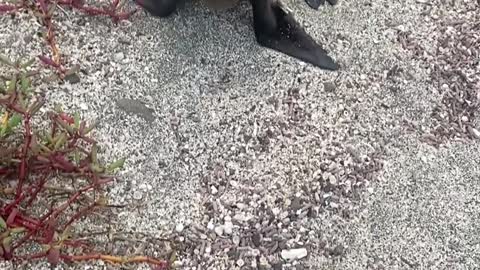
158,8
315,4
316,57
286,36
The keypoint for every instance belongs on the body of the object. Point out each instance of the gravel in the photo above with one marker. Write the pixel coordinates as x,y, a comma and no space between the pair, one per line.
453,64
241,158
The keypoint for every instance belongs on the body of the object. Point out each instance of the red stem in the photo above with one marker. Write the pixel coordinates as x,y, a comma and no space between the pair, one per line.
23,165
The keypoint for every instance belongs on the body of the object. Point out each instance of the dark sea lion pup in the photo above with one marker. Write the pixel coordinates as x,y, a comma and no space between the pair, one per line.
274,28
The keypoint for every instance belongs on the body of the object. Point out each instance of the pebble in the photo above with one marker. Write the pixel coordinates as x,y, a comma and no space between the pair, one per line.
240,217
219,230
329,86
179,228
264,262
210,226
474,132
236,240
278,266
228,227
137,195
177,264
294,254
338,250
72,78
241,205
332,179
256,239
334,205
119,56
83,106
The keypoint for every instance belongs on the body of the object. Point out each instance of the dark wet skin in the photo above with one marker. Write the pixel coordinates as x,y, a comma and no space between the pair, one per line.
274,29
315,4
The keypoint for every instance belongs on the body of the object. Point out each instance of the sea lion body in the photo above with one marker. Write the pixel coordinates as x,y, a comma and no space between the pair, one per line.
274,28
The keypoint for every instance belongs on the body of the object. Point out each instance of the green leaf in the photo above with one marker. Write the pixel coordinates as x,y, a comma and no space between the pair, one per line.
117,164
36,107
5,60
76,157
96,168
58,108
7,243
22,102
51,10
12,84
3,224
17,230
93,155
25,83
76,119
45,148
60,141
15,120
28,63
66,126
17,62
90,128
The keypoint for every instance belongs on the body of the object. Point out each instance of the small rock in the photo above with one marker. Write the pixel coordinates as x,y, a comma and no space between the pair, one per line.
241,205
254,264
338,250
28,38
264,262
72,78
179,228
334,205
213,190
177,264
329,87
401,28
119,56
278,266
474,132
228,227
143,187
240,217
294,254
296,204
256,239
332,180
210,226
125,41
219,230
136,107
137,195
83,106
236,240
